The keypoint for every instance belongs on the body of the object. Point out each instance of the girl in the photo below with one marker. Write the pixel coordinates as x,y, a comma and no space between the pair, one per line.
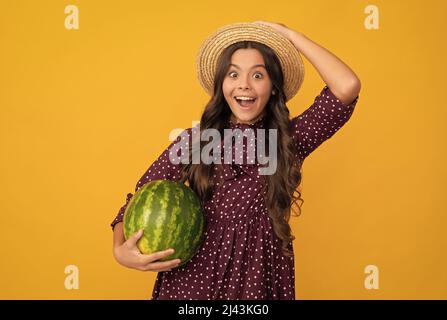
247,251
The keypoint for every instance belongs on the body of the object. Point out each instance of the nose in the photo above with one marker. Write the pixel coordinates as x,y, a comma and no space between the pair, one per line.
243,83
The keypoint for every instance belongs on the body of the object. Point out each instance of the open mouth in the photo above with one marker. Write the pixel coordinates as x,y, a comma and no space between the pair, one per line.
245,102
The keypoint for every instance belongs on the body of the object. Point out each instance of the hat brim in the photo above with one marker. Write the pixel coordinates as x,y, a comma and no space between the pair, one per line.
288,55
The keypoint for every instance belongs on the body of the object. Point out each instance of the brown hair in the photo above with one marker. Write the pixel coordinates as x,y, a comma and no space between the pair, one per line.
282,185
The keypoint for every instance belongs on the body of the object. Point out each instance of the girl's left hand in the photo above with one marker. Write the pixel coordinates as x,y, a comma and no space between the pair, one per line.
281,28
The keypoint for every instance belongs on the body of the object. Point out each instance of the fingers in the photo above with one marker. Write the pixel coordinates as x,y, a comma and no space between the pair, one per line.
150,262
135,237
161,265
148,258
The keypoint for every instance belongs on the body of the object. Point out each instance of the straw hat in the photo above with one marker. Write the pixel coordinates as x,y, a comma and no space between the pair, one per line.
289,57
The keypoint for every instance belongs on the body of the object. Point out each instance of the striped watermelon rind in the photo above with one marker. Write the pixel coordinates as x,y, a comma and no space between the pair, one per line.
171,216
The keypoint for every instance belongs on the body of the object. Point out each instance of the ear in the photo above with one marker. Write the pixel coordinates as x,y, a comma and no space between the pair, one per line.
273,92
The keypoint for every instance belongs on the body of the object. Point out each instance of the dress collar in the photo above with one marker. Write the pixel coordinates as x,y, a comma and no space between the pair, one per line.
233,170
257,124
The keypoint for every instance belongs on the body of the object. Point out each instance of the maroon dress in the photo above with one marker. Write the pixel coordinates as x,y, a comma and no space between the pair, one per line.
240,257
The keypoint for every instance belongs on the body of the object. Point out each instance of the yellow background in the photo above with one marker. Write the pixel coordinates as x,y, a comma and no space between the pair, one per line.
85,112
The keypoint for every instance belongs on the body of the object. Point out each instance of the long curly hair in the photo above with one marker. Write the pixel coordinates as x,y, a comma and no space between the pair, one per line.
281,193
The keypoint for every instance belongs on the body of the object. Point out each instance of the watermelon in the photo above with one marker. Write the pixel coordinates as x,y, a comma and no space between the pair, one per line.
171,216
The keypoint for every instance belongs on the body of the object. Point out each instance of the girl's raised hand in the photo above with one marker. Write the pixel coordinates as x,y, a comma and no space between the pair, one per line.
130,256
281,28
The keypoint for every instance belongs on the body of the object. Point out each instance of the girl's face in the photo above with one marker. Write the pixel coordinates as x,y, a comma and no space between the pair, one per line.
247,78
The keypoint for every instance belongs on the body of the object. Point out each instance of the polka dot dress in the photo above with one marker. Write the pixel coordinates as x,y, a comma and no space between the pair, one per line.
240,257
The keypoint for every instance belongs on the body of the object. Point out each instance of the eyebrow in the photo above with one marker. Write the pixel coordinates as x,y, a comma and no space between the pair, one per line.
256,65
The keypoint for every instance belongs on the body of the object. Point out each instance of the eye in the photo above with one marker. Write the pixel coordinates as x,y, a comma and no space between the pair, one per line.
257,75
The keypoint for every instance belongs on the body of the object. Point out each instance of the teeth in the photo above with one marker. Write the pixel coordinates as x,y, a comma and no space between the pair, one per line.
244,98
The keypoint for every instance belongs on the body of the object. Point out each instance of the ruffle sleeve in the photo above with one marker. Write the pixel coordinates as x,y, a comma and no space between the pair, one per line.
320,121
